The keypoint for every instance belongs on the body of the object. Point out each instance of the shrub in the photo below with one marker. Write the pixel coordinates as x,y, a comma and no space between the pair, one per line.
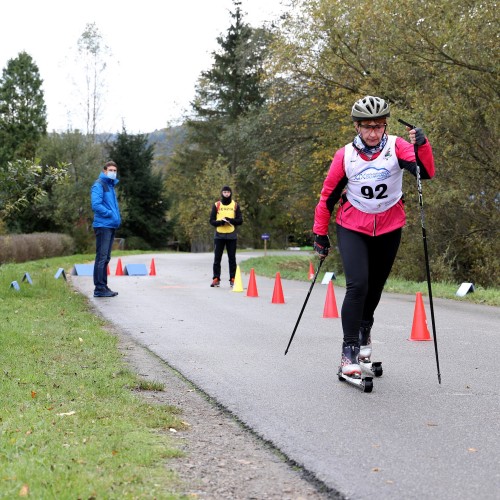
136,243
24,247
84,239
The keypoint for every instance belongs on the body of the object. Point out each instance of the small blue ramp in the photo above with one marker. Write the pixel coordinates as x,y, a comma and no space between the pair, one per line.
60,272
27,278
83,270
136,270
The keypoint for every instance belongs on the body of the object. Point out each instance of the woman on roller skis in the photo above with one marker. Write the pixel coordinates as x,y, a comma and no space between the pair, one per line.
366,177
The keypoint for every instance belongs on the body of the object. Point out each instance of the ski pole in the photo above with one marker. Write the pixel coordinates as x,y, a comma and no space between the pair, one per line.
426,253
304,306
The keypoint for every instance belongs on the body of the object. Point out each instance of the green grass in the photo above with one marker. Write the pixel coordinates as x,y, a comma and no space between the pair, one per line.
71,422
150,385
296,267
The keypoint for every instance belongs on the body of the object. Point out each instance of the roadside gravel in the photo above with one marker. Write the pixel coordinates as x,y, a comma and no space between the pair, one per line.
223,459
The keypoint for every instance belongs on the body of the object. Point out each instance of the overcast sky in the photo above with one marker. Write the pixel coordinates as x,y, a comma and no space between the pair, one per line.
158,49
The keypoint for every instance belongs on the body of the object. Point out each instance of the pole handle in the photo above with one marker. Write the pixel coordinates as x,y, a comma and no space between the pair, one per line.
406,124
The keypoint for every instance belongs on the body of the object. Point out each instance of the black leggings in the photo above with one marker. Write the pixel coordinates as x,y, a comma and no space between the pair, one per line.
219,245
367,262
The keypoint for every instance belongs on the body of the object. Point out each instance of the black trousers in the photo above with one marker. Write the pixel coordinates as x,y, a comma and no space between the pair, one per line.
230,245
367,262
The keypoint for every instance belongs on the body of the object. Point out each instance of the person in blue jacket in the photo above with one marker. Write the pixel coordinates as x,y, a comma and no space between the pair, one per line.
106,220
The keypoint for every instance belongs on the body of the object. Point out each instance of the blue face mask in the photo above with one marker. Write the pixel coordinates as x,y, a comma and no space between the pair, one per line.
111,175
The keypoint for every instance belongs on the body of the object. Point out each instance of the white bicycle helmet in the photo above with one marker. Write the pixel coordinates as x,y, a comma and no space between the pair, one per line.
370,108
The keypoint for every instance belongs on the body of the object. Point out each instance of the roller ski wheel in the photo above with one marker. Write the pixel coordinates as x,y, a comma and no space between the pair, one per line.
371,369
367,384
363,383
377,368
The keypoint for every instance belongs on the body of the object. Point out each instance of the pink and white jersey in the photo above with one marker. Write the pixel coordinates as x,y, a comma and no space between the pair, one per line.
373,185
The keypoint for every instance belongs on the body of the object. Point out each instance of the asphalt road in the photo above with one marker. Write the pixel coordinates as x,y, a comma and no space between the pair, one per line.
410,438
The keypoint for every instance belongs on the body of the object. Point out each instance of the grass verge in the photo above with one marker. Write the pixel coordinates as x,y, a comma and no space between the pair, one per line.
296,267
71,423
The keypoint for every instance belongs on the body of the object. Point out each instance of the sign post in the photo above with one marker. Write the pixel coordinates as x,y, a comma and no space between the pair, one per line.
265,237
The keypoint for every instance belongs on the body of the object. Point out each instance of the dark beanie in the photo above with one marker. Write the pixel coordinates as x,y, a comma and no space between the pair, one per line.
226,188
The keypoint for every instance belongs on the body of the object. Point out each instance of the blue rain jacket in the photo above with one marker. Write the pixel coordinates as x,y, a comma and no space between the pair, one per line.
104,203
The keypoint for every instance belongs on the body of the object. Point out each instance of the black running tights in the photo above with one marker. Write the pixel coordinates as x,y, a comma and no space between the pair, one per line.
367,262
219,244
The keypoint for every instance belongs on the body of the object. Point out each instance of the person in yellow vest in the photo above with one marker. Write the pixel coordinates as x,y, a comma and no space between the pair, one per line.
225,216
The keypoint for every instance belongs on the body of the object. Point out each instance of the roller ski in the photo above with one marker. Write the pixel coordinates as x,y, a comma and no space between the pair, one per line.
350,369
368,367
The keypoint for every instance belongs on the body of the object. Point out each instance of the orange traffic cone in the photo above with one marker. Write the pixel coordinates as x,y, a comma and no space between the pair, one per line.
119,270
152,268
419,330
252,285
278,297
330,309
311,270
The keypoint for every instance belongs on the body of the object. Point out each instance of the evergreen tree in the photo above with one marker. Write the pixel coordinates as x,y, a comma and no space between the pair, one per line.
143,202
229,91
23,118
231,88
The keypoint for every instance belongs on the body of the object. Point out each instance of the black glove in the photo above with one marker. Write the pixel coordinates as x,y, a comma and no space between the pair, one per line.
321,245
419,137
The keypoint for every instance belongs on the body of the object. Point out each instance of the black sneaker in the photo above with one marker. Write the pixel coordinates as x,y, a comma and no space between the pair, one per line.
111,291
104,293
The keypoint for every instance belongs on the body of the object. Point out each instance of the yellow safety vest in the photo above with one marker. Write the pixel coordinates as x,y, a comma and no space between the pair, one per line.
225,211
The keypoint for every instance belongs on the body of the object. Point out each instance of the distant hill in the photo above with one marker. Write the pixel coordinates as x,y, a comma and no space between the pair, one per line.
164,140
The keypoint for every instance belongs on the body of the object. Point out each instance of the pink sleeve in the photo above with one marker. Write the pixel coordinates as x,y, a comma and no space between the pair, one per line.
332,189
